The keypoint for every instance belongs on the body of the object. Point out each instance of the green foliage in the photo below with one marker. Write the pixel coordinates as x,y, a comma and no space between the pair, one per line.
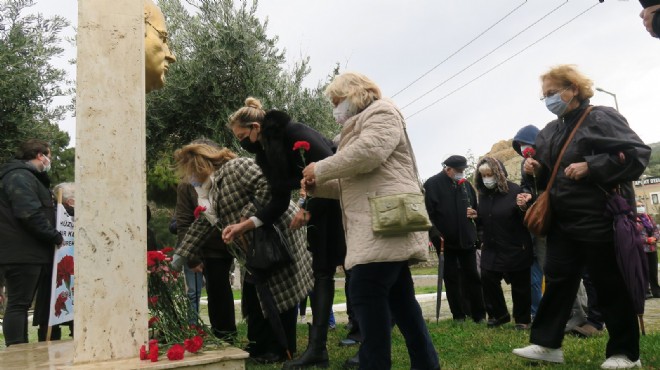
29,82
653,169
223,56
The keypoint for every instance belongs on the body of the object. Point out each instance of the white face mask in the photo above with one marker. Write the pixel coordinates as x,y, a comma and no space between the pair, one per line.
641,210
343,111
458,176
46,165
524,147
489,182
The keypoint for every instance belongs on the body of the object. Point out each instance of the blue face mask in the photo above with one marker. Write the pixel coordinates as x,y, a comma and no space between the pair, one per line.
556,104
193,181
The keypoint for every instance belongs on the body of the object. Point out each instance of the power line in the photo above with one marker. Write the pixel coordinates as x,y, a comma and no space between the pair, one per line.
484,56
459,50
502,62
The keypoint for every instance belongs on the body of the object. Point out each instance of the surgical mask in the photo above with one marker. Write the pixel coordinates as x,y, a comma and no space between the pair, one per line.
46,166
641,210
458,176
249,146
556,104
343,111
489,182
524,147
193,181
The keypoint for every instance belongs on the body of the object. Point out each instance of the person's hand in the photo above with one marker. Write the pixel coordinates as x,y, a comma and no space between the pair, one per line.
647,18
309,175
232,231
531,166
471,213
577,171
651,240
300,219
198,268
522,199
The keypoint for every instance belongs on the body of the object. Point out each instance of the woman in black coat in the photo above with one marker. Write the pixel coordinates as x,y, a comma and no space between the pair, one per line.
271,136
507,246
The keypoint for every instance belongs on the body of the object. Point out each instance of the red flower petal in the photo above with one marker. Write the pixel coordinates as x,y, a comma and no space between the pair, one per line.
143,353
175,352
304,145
198,211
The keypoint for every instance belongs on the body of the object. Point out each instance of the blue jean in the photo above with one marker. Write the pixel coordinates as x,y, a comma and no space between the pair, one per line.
537,280
380,291
194,283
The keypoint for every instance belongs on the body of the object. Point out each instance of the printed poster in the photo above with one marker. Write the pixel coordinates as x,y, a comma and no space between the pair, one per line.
61,298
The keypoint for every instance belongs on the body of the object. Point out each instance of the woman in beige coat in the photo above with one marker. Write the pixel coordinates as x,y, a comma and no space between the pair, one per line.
373,159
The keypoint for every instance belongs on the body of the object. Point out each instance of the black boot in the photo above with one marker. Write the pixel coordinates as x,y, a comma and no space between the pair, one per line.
353,362
316,354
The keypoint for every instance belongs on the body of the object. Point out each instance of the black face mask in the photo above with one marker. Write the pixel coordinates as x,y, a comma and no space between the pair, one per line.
250,146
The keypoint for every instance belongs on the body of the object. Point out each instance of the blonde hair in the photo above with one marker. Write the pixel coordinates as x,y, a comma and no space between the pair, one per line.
200,160
568,76
356,87
251,112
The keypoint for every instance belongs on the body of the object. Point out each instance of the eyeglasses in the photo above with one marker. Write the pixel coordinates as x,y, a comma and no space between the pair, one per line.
162,34
551,93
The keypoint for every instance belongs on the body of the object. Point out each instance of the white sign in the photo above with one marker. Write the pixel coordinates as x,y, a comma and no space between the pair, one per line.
61,296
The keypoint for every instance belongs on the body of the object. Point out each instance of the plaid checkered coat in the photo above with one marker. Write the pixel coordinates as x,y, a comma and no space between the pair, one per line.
235,185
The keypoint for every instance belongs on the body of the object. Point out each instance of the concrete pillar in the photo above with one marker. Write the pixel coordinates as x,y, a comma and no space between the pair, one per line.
111,310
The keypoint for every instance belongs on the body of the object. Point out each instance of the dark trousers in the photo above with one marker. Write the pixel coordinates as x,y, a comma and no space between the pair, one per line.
594,316
353,325
652,258
378,292
565,260
521,292
462,283
260,333
21,284
220,297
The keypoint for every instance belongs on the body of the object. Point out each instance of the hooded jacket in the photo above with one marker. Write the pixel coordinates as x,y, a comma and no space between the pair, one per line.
27,215
507,244
526,135
603,140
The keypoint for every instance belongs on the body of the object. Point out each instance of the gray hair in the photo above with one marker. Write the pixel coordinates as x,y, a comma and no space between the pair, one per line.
68,190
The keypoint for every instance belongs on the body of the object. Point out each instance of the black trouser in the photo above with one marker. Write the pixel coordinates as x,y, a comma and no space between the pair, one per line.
652,258
220,297
594,316
564,263
462,282
521,292
259,331
21,283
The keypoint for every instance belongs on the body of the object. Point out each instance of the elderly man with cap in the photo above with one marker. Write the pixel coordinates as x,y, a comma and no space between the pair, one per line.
452,202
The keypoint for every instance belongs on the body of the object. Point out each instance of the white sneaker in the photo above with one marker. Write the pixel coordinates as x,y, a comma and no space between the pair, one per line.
620,362
536,352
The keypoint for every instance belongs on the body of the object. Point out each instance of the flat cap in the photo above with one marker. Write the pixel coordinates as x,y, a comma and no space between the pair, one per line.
456,161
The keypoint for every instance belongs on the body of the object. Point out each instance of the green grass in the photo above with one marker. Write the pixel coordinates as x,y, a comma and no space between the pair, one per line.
472,346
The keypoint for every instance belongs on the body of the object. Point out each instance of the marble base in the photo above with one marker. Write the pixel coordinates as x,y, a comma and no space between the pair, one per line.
59,355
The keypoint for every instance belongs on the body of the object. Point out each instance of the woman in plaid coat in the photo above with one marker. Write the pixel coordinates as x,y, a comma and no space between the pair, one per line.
236,184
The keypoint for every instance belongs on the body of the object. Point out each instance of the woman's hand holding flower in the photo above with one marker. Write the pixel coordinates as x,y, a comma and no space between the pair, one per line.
309,175
531,166
231,232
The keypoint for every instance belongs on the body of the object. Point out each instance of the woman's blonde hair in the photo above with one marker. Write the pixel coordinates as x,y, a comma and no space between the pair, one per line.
200,160
251,112
567,75
356,87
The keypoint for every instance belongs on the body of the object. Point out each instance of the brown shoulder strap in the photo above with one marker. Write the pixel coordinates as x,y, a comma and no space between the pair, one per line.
563,149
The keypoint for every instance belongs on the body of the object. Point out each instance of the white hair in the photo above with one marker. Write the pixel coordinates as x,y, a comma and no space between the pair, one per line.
68,190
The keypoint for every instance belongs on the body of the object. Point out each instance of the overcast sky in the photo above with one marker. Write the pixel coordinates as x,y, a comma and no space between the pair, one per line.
394,42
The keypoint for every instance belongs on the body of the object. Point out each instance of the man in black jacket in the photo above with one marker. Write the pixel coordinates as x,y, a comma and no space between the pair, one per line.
451,203
27,231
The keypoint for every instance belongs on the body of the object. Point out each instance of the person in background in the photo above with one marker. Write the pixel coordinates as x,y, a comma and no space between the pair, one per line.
451,203
216,259
27,232
506,252
649,233
282,148
604,153
42,301
373,158
650,17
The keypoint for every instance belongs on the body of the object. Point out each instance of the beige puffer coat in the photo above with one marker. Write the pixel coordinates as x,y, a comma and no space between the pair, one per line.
372,160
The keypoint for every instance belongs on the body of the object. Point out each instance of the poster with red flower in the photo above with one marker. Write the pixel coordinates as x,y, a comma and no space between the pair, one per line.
62,288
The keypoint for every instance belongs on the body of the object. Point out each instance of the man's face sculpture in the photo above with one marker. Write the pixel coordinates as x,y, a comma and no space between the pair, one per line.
157,53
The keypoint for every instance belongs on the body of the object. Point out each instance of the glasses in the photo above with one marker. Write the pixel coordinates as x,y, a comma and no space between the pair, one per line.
162,34
551,93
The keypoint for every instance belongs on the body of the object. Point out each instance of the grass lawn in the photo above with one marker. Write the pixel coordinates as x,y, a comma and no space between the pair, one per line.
471,346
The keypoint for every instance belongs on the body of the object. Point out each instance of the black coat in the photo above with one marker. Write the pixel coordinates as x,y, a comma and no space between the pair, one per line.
446,203
27,215
507,244
579,206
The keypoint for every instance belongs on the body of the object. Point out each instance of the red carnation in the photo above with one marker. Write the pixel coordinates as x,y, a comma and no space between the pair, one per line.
60,303
301,145
198,211
143,353
529,152
152,321
153,257
167,250
461,181
193,345
153,300
64,270
175,352
153,351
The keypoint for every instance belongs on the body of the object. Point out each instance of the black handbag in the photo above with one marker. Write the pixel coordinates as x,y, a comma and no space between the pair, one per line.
269,249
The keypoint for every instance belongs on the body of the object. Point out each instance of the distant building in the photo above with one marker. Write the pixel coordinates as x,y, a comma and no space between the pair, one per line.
647,191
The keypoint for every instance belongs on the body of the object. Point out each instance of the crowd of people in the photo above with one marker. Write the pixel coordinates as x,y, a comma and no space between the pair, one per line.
578,162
